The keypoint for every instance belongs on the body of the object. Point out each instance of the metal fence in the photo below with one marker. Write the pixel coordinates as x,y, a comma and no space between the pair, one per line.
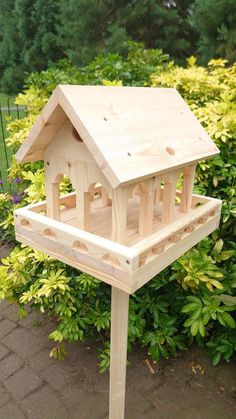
8,111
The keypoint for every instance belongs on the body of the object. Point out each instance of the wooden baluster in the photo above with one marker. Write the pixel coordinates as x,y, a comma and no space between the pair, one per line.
169,194
187,189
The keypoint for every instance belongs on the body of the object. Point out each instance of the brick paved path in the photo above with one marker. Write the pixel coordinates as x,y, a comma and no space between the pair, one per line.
34,386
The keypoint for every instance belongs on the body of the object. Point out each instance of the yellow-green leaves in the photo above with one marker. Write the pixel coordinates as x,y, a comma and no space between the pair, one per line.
195,268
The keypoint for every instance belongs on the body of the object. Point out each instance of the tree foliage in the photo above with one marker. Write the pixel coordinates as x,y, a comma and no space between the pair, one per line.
35,34
194,299
215,22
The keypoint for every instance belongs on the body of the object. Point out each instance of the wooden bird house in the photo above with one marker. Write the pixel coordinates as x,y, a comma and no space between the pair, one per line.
130,153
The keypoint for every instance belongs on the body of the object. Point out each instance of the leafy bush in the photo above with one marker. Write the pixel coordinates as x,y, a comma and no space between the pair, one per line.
193,299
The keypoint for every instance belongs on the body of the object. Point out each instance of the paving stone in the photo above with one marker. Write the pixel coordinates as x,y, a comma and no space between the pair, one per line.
57,375
23,343
12,312
4,396
92,405
3,351
22,383
32,317
9,365
44,404
3,305
6,326
40,360
11,411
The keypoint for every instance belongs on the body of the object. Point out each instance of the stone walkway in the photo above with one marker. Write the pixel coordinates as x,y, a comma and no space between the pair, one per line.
34,386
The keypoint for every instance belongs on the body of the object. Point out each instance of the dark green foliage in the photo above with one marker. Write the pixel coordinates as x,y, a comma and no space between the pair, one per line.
35,34
90,27
28,40
215,23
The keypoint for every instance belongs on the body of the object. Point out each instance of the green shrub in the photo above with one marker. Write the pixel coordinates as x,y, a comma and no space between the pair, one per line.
189,301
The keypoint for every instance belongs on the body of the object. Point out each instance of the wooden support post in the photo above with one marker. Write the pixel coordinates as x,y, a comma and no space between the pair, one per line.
147,197
169,194
104,197
83,200
158,190
53,203
119,214
187,189
118,352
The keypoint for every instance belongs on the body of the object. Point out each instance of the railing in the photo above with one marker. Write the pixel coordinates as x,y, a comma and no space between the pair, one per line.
8,109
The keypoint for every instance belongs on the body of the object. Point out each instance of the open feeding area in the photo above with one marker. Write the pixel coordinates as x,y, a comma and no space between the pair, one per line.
128,265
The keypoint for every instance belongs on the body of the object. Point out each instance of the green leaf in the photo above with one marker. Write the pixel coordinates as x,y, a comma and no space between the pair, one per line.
194,328
190,307
216,358
228,319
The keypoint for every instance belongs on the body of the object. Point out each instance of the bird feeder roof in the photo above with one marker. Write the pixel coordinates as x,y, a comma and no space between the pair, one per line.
133,133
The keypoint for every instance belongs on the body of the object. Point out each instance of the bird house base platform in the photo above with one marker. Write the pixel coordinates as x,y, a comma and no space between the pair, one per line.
128,266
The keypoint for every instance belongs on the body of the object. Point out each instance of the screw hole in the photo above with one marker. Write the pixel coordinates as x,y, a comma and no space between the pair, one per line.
48,163
128,262
105,119
129,154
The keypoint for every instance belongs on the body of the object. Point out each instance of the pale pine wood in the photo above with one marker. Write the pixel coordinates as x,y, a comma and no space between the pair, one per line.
147,197
187,189
105,199
169,194
53,205
210,205
120,128
118,352
158,190
173,252
119,215
102,254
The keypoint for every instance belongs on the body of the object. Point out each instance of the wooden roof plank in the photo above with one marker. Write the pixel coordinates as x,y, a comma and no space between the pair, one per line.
132,132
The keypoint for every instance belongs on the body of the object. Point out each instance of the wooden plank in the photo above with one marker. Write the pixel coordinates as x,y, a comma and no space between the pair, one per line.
173,252
119,337
84,263
67,235
187,189
44,129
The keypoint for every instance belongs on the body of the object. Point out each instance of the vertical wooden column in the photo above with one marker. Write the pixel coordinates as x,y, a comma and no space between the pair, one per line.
118,352
53,205
119,214
187,189
147,197
119,314
158,190
83,201
104,197
169,194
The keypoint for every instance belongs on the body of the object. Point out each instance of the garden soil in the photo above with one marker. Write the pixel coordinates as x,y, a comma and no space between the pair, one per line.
35,386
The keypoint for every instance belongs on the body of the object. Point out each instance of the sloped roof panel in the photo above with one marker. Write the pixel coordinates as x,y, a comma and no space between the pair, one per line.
132,132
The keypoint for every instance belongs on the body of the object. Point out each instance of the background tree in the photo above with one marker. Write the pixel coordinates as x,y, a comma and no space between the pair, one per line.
88,27
28,39
216,23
